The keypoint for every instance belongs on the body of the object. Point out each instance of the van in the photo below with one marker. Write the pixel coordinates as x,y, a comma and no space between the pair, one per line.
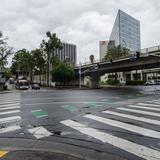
22,85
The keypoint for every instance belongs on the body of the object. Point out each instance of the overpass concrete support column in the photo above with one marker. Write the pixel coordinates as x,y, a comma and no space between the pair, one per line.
141,73
94,81
132,78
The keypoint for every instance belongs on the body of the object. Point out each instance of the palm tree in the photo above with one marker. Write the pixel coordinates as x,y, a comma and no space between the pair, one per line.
91,57
49,47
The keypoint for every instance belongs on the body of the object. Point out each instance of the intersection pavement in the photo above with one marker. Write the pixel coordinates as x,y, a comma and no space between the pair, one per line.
125,125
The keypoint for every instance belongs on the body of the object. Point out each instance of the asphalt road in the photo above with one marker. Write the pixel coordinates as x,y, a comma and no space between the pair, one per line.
111,124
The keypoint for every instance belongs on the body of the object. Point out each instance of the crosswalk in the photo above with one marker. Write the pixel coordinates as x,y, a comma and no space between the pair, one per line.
9,112
140,119
10,119
134,119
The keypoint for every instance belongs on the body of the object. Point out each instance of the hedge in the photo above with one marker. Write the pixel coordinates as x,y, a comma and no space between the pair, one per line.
135,82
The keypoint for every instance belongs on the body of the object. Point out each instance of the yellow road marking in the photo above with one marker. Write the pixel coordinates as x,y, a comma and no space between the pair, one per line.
3,153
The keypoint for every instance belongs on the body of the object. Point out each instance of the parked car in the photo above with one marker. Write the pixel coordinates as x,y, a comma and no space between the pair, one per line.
36,86
11,81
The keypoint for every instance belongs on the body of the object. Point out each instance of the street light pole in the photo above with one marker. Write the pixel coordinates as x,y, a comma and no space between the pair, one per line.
80,76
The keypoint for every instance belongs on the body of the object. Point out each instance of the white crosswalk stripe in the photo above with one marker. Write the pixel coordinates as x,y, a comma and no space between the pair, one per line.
7,105
153,101
10,119
10,129
9,110
140,112
125,126
131,147
137,118
135,124
143,107
146,104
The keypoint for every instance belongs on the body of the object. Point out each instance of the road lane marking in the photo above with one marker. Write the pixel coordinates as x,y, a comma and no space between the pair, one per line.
143,107
146,104
3,153
146,120
9,112
125,126
8,108
10,129
140,112
10,119
131,147
40,132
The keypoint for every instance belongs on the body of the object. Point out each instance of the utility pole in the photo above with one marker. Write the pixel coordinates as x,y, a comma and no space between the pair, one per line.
80,76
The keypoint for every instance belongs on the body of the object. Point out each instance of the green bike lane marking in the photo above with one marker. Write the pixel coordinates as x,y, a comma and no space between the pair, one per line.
39,113
71,108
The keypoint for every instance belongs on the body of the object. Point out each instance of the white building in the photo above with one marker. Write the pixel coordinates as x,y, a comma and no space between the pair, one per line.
103,49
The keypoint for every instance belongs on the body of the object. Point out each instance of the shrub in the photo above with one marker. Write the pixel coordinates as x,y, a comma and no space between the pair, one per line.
112,82
135,82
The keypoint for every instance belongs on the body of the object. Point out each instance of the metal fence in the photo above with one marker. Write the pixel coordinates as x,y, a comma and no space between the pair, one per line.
143,53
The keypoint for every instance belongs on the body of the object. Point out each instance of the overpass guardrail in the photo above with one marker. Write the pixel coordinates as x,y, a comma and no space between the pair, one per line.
143,53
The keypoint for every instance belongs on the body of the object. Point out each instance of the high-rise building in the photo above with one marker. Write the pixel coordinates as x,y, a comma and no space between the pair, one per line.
102,49
68,52
126,32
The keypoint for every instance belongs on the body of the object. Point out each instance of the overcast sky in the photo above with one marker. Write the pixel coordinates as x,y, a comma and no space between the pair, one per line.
82,22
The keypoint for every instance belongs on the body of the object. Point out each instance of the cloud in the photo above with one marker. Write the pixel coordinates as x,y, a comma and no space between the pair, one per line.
84,22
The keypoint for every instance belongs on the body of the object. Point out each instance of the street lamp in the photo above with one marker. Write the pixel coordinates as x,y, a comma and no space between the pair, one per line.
80,75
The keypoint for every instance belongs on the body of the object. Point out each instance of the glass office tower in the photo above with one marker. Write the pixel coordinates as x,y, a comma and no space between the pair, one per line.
126,32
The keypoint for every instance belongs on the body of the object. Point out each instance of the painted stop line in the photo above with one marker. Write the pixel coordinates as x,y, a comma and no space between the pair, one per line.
39,113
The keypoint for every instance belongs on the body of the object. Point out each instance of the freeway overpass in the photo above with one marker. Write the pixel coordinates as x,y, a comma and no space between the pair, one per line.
147,60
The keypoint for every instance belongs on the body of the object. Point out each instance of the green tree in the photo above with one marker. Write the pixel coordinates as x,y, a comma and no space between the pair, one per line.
7,73
116,53
49,47
62,73
5,50
39,65
23,63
